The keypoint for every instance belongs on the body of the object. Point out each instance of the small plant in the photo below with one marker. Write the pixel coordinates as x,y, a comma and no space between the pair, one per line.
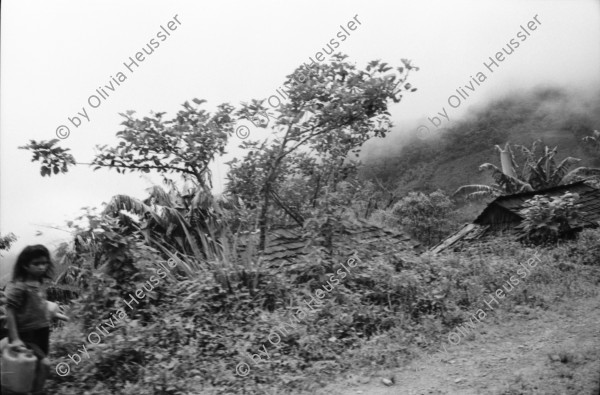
546,220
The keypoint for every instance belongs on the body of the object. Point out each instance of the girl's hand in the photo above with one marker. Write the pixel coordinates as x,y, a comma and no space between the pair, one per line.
18,343
62,317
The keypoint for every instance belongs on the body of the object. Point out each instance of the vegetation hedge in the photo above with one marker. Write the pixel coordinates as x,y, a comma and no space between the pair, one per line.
191,333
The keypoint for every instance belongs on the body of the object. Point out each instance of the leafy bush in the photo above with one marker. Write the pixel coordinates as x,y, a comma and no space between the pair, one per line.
425,217
547,219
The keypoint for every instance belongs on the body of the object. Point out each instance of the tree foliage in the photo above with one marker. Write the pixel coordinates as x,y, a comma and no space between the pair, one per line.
6,241
178,222
53,159
327,117
184,145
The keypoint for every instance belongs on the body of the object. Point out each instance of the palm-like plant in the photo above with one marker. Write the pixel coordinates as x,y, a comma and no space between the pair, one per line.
168,224
190,228
189,222
536,172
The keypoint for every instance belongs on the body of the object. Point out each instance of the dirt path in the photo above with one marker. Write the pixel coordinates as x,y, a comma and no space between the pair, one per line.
556,351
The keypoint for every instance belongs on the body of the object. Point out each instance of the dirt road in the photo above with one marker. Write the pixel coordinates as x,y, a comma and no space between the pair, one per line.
533,351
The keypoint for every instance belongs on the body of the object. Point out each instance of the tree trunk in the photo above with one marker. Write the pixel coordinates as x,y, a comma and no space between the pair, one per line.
317,189
262,221
288,210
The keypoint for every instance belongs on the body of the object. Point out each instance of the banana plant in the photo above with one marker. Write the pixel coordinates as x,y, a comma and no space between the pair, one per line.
537,171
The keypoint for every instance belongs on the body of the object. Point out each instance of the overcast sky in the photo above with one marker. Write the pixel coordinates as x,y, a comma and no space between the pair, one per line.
55,54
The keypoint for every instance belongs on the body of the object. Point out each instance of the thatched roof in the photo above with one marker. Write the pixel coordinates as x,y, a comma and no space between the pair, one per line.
286,245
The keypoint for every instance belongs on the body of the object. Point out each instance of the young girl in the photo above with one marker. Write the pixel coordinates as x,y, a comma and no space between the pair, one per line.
27,315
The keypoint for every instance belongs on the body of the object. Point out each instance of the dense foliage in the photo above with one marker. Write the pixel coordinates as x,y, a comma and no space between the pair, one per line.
549,219
427,217
328,116
193,330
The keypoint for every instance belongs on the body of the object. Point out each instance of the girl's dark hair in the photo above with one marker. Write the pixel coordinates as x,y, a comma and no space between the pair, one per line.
28,254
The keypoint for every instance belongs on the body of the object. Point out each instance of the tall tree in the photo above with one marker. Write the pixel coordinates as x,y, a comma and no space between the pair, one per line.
328,115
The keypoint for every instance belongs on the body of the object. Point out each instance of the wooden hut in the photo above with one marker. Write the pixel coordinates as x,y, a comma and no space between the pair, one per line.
503,214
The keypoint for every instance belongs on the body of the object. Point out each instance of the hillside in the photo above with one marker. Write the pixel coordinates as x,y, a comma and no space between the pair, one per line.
451,157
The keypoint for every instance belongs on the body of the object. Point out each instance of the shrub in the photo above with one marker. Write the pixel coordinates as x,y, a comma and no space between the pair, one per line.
548,219
426,217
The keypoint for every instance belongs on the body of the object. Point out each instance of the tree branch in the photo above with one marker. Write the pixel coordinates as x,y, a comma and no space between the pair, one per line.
296,217
140,167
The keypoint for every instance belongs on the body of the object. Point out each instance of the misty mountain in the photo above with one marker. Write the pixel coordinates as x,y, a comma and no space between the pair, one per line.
451,157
